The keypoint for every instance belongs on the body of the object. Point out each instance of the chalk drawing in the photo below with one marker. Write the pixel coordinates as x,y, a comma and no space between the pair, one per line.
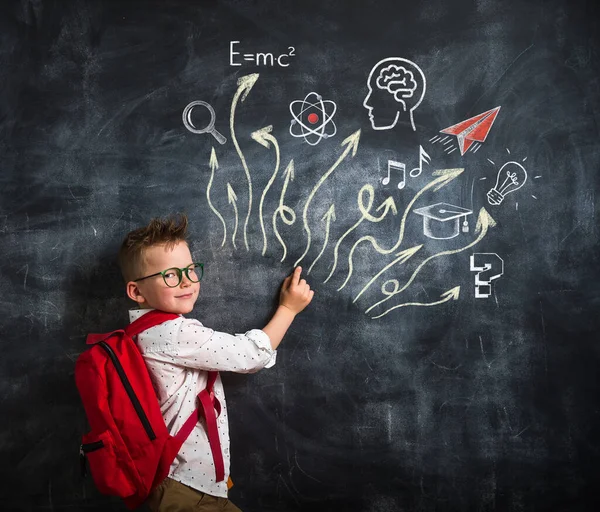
396,86
351,144
209,128
489,267
470,133
398,167
312,118
511,177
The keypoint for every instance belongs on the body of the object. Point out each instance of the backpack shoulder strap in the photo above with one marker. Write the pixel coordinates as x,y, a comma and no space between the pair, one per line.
210,408
212,377
208,402
148,320
144,322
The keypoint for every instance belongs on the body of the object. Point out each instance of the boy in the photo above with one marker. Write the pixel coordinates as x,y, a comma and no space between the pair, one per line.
160,274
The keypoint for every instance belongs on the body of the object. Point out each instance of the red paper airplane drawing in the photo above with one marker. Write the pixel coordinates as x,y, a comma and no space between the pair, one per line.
472,130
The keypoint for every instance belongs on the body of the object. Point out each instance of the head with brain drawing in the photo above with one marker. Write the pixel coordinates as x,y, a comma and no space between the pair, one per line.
396,88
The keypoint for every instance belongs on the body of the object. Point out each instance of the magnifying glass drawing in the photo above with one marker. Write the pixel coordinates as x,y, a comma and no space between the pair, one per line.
210,127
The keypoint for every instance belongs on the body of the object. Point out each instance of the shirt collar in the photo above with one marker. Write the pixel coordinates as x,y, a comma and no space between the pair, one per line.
134,314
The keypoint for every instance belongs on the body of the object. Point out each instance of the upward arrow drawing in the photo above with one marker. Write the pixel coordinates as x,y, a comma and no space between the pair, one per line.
245,85
351,144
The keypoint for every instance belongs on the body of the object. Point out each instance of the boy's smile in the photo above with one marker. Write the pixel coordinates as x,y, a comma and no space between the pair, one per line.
153,292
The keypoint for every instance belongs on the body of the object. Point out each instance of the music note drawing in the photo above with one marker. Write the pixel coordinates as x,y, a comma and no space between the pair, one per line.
423,157
395,166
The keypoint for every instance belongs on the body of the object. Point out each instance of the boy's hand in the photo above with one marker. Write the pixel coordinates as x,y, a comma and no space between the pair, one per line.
295,295
295,292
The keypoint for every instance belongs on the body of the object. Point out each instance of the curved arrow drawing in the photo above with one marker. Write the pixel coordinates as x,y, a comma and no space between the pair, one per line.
264,137
451,294
232,198
214,165
484,222
403,257
282,209
351,144
245,85
445,177
386,205
328,218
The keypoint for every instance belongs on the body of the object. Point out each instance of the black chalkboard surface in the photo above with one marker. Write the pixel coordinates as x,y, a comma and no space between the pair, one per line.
433,164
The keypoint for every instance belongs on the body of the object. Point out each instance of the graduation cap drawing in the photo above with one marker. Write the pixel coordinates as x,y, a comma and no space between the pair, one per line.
442,221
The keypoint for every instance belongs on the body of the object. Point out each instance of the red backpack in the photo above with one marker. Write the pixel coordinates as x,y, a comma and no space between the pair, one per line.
129,448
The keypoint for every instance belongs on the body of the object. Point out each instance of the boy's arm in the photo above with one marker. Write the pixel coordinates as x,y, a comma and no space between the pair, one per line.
196,346
295,295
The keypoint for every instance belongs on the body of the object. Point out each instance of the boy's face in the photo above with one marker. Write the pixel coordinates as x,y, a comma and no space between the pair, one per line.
154,292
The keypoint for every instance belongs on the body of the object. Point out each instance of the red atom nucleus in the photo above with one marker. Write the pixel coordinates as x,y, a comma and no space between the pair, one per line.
313,118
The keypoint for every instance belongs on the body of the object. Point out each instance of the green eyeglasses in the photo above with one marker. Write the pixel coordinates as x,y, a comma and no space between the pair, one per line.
173,276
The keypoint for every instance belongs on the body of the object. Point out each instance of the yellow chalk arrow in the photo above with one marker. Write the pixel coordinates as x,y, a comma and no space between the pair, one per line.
445,177
365,210
329,217
403,257
245,85
351,144
451,294
282,209
264,137
288,176
484,222
232,198
214,165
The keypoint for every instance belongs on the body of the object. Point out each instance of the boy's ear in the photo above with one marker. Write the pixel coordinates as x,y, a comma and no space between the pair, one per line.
134,293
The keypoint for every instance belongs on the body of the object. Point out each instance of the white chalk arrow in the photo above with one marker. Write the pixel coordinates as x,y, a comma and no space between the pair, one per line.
329,217
387,206
264,137
484,222
245,85
283,210
451,294
214,165
232,198
351,144
444,176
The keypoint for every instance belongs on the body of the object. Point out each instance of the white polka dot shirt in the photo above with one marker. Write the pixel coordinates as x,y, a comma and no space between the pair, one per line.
179,353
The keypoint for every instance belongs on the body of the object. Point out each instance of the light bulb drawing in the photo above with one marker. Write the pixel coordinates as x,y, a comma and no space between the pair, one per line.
511,177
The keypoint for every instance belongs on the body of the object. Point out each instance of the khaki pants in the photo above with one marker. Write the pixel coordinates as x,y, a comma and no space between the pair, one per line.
173,496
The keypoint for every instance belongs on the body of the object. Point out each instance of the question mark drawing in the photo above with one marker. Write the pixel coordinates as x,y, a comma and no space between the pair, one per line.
489,266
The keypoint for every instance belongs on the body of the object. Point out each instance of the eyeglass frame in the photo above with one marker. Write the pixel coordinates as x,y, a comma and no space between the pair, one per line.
180,272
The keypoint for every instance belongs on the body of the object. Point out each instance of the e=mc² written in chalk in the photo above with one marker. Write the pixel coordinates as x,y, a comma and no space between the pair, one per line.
267,59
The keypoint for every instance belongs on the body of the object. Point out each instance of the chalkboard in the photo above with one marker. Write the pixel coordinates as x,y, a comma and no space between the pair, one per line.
433,164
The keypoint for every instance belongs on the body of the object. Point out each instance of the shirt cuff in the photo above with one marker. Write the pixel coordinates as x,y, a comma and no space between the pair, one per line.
263,343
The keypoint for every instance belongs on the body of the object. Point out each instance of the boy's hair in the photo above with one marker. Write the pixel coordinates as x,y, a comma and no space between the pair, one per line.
159,231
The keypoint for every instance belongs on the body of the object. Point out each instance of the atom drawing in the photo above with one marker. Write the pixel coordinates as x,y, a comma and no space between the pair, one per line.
313,116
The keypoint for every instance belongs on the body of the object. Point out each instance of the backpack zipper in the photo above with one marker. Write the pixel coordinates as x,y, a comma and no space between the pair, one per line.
90,447
129,389
87,448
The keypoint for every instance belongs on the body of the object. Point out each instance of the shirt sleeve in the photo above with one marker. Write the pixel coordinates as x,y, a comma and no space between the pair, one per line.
196,346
